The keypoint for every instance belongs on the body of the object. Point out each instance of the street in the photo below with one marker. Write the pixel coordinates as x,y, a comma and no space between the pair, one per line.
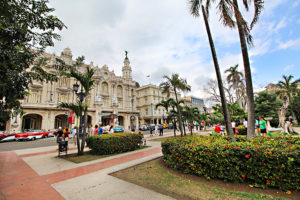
14,145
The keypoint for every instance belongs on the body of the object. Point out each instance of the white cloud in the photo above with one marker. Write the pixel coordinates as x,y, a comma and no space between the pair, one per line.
288,68
290,44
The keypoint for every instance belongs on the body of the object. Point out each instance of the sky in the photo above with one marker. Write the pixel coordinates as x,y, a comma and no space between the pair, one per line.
163,38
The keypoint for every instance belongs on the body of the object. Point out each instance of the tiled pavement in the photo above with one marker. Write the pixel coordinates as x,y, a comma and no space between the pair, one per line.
39,174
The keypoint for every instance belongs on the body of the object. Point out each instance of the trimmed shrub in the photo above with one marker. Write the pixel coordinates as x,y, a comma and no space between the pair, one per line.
241,129
113,143
262,162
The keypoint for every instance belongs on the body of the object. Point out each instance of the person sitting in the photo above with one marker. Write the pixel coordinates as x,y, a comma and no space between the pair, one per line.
96,130
143,138
100,130
218,129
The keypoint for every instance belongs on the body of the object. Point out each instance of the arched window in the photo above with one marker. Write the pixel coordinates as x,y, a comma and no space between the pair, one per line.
104,87
119,91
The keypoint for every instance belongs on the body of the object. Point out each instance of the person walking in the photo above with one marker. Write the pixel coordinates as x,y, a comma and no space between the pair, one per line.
59,137
111,129
74,135
96,130
256,128
156,127
151,133
161,130
100,130
246,124
233,127
263,126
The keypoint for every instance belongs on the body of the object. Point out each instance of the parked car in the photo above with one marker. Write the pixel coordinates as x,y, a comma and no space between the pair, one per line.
144,127
170,126
32,135
7,136
118,129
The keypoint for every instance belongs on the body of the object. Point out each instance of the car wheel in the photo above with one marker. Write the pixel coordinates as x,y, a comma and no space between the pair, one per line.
33,138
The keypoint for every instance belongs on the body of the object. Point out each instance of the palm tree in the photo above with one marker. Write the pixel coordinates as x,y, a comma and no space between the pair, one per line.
190,115
176,84
87,84
78,108
227,9
235,78
195,11
287,89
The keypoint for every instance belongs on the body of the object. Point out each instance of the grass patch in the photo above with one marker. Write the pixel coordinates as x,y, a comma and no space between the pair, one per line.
155,176
160,139
88,156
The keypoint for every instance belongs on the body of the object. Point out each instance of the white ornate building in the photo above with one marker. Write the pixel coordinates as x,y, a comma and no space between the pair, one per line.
111,94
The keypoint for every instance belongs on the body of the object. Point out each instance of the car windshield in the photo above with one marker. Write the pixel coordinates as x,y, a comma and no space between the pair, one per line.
118,126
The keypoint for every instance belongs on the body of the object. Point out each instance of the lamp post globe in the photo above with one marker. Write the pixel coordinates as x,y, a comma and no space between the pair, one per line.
75,87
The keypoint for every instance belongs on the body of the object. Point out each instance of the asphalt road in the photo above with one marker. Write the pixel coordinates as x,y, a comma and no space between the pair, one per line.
14,145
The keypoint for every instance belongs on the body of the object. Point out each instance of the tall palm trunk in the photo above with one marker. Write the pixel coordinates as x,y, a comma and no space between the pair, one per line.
282,113
83,131
219,78
174,127
248,78
179,112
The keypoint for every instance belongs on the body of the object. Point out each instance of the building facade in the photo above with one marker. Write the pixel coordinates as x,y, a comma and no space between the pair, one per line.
194,102
147,98
111,94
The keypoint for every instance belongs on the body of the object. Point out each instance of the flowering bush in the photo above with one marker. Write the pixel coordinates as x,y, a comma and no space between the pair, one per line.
241,129
113,143
262,161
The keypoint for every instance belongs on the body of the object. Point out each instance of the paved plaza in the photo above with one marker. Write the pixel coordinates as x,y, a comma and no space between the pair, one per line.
37,173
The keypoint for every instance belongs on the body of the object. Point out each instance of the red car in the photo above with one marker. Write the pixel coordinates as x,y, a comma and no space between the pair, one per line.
4,136
32,135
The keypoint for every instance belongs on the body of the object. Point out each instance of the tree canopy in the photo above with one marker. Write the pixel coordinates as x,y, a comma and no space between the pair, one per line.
27,27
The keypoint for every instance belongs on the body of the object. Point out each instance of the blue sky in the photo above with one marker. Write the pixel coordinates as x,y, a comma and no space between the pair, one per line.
163,38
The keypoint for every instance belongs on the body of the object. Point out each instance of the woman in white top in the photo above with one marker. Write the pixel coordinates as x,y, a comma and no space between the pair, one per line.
156,129
233,126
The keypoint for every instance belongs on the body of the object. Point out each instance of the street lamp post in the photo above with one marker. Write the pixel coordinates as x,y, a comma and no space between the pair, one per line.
80,96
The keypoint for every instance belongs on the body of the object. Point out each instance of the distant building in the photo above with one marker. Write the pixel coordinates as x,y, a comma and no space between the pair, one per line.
192,101
146,99
111,95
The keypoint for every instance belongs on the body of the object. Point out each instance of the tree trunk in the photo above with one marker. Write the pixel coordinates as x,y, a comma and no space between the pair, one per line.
191,130
174,128
78,134
282,113
84,131
248,78
179,113
219,78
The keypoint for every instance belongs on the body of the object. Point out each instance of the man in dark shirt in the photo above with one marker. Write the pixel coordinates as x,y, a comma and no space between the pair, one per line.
59,136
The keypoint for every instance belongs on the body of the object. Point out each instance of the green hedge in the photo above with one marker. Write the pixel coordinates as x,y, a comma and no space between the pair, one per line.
113,143
261,162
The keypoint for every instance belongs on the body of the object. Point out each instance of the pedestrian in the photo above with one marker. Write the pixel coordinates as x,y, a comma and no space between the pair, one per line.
233,127
151,134
218,128
96,130
66,134
100,130
59,137
222,130
246,124
263,126
161,130
256,127
143,140
74,135
156,127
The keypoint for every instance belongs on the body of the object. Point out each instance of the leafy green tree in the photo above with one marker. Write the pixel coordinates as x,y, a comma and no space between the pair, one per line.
267,105
87,82
235,78
236,112
295,105
176,84
190,115
229,10
287,89
26,29
195,11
